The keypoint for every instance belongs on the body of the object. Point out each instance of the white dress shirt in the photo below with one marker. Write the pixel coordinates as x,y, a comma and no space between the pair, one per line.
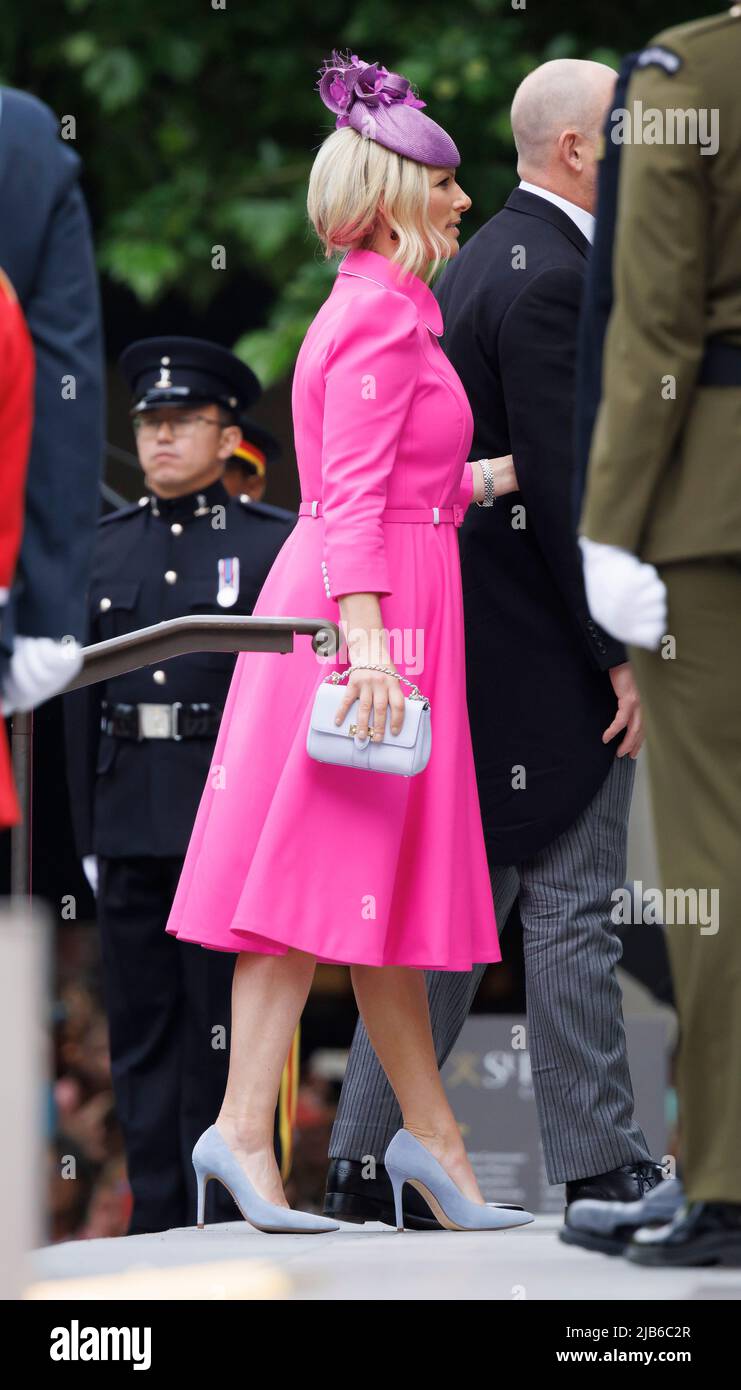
583,219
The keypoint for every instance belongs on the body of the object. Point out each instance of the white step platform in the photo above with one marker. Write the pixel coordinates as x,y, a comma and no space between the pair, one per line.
234,1261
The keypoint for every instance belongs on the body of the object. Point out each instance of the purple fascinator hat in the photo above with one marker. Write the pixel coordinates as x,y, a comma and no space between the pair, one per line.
382,106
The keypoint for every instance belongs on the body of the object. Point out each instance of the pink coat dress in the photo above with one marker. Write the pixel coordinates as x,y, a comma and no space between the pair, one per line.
350,865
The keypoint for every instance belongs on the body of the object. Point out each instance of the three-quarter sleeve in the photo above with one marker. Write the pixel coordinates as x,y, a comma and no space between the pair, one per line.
370,371
464,495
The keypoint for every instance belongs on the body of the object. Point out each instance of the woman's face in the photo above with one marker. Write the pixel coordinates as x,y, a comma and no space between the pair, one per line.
448,202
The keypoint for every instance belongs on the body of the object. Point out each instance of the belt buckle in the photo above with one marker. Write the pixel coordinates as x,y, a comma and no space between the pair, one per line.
155,721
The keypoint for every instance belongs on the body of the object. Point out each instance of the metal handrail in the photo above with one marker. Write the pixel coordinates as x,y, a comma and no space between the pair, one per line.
160,642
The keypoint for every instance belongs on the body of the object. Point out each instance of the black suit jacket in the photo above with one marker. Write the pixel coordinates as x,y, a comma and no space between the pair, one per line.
46,250
539,693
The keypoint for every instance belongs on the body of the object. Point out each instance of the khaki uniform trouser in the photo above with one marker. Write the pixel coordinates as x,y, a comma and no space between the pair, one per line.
692,709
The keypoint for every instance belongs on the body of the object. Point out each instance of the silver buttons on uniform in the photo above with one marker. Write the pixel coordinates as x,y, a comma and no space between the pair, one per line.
325,576
176,528
104,605
171,576
159,677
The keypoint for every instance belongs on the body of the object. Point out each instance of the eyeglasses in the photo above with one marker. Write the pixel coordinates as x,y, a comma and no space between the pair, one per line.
181,425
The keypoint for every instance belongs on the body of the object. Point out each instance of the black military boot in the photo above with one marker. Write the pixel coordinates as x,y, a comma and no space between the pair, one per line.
702,1233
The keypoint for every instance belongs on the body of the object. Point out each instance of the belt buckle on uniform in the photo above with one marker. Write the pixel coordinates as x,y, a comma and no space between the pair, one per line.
155,721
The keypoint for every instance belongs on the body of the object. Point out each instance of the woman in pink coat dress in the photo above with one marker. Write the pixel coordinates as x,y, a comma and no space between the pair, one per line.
292,860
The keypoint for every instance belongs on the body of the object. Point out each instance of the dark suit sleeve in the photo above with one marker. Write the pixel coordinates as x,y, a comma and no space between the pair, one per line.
49,257
595,313
537,357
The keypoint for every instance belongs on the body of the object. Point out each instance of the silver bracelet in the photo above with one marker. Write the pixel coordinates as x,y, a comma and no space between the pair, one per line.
361,666
336,676
490,496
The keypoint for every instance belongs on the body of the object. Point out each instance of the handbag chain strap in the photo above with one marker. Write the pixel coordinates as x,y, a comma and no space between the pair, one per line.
336,676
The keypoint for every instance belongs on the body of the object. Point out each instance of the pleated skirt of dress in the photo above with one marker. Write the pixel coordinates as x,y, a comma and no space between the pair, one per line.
353,866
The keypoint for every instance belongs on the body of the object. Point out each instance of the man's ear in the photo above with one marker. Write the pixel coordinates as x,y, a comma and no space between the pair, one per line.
230,438
569,146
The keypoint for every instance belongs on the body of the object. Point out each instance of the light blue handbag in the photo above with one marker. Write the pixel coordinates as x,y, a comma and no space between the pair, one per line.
405,753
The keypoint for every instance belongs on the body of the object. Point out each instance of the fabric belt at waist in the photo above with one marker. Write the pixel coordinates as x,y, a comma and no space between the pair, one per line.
176,721
434,515
721,363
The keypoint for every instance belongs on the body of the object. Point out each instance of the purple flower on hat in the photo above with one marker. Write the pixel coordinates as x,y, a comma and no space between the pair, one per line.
345,79
382,106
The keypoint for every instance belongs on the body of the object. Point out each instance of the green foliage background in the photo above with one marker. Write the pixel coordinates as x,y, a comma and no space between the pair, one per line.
197,119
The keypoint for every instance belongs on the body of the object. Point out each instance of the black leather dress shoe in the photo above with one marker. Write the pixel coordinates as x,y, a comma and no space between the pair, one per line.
627,1184
702,1233
351,1197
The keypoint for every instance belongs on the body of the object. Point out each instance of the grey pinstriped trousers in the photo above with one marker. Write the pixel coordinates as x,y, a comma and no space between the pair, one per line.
575,1030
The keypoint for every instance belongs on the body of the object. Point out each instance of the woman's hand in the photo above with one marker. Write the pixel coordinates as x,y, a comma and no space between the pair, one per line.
367,642
379,690
505,478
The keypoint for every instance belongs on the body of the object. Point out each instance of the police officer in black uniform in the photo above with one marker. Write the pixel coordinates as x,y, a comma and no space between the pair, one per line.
139,752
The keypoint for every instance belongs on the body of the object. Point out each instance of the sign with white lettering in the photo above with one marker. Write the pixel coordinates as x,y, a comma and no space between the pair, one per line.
489,1083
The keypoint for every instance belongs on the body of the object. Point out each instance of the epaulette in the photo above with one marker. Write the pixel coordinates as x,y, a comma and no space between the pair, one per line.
658,56
265,508
679,42
131,509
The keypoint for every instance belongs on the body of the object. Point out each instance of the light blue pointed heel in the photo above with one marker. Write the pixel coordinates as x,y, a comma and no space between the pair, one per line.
212,1158
407,1160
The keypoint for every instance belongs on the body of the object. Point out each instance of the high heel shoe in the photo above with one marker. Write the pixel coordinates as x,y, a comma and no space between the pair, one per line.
407,1160
212,1158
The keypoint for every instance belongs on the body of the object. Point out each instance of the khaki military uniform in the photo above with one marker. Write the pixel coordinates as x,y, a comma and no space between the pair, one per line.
665,483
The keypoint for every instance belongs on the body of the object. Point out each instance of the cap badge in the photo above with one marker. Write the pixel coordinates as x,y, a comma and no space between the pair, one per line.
164,380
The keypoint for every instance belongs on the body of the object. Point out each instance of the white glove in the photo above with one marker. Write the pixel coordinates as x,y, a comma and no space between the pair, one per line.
38,669
90,869
626,597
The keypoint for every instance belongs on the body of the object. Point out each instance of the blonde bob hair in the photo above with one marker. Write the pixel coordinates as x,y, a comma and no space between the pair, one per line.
353,179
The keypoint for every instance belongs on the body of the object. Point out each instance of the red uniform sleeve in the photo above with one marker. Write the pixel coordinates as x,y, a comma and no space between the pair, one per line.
16,418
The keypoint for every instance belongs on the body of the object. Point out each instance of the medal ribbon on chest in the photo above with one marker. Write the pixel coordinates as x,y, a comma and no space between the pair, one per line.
228,581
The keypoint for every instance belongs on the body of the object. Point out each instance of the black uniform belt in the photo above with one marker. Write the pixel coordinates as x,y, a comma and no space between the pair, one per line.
721,364
176,721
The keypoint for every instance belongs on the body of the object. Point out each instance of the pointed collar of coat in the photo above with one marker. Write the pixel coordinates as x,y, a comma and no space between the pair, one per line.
371,265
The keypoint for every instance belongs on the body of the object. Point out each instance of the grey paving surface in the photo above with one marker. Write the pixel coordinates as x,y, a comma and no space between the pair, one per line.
375,1262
